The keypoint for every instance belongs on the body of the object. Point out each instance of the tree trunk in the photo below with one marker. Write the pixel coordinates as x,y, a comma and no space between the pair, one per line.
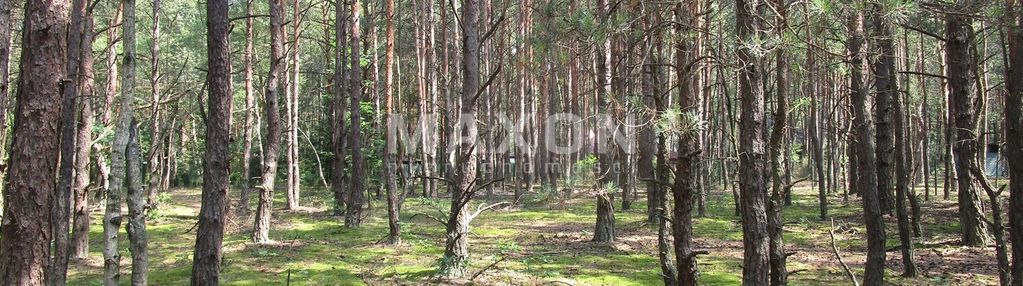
961,71
156,158
865,161
753,159
456,251
884,80
817,146
775,220
5,75
272,147
217,160
61,211
118,173
136,227
250,115
604,230
390,171
294,181
338,139
356,192
110,90
687,172
887,89
25,234
1014,136
80,226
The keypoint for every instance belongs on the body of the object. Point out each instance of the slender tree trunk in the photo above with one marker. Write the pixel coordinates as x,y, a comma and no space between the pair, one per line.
61,211
156,160
887,89
112,75
884,80
338,139
961,71
604,230
777,147
272,147
25,234
80,226
1014,136
456,251
136,227
393,201
216,162
950,172
752,158
812,86
357,189
112,219
687,172
250,115
293,196
865,160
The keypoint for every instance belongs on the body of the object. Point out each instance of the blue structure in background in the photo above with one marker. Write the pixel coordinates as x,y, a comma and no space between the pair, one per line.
994,164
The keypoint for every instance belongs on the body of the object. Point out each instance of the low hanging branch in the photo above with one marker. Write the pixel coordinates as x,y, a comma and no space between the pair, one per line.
923,74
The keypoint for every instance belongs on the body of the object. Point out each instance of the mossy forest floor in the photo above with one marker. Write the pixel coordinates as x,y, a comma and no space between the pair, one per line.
540,243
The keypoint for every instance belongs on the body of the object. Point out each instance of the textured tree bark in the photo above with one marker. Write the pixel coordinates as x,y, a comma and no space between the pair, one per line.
110,89
61,211
156,158
961,71
5,75
604,229
217,160
80,212
250,116
865,161
1014,136
357,188
777,147
456,250
884,79
272,146
115,194
752,157
647,137
390,170
25,234
294,181
338,138
657,192
136,227
887,89
687,167
814,124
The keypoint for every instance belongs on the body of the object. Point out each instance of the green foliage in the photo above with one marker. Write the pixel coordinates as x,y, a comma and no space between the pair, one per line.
674,122
156,213
545,195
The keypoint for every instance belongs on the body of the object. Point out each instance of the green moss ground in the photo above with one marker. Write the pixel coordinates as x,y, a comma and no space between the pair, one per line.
542,244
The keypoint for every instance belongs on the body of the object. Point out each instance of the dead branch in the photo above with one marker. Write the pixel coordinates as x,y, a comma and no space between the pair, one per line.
442,222
478,273
834,247
483,207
